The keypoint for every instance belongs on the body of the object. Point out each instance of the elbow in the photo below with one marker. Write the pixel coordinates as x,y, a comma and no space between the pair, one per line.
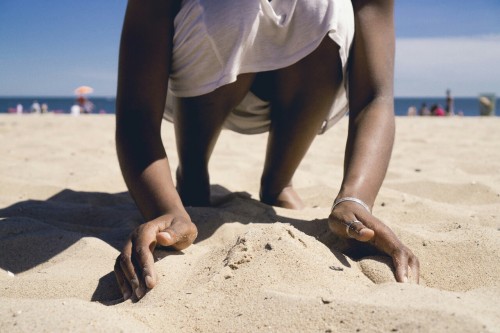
138,144
136,123
135,132
381,100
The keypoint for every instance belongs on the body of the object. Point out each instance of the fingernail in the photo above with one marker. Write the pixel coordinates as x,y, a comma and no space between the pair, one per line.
139,292
135,283
405,279
167,235
149,281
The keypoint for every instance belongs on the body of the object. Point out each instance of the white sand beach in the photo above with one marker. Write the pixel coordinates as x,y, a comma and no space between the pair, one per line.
65,211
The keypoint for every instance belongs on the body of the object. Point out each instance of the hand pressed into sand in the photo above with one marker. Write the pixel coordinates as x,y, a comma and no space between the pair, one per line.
134,267
373,231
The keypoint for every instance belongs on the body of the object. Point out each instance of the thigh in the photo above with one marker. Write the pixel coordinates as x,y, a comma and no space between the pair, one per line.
314,80
198,120
301,97
310,85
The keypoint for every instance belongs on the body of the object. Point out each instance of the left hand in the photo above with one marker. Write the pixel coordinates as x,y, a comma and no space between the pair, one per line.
371,230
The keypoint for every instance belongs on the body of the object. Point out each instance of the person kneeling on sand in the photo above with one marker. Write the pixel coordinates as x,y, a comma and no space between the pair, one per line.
252,66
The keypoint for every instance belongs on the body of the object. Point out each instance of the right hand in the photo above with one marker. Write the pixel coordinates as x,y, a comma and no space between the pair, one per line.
134,267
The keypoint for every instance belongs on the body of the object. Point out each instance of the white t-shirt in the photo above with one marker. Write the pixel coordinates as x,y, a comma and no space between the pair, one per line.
216,40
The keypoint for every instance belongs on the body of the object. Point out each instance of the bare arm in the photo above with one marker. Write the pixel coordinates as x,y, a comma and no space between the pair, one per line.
144,65
371,133
371,116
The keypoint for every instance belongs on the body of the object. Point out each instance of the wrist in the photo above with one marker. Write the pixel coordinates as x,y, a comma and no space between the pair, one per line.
360,194
173,206
351,199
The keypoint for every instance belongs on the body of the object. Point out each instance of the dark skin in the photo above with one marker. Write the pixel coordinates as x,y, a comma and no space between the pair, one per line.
296,115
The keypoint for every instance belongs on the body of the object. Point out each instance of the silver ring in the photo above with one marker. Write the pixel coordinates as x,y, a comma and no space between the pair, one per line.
348,226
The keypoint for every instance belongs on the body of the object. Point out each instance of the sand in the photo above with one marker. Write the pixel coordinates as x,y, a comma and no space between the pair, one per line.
65,212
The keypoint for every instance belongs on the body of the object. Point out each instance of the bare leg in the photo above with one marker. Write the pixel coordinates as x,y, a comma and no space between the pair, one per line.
301,97
198,123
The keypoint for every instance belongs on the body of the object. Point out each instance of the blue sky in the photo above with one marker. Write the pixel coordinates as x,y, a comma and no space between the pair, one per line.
47,48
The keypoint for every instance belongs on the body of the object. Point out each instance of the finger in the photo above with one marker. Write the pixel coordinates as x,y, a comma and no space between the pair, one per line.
359,231
180,234
414,269
351,229
122,283
127,267
354,224
144,247
400,261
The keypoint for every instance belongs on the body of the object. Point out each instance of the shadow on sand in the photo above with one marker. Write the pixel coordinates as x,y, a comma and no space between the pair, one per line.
72,215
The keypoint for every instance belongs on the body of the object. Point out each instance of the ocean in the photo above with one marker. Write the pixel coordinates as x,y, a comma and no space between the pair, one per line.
55,104
468,105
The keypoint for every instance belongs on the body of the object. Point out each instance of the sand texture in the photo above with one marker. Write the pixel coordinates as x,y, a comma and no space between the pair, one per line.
65,212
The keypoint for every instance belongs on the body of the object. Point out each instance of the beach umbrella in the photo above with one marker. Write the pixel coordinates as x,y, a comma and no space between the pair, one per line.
84,90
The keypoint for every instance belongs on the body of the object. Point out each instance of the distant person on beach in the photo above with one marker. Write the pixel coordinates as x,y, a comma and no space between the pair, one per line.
449,108
75,110
278,66
412,111
86,106
437,110
424,110
19,108
45,108
35,107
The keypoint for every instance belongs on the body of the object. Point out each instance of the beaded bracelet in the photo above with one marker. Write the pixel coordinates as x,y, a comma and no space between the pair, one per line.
356,200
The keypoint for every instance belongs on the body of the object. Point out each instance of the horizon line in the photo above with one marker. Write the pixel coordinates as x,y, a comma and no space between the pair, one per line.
114,96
